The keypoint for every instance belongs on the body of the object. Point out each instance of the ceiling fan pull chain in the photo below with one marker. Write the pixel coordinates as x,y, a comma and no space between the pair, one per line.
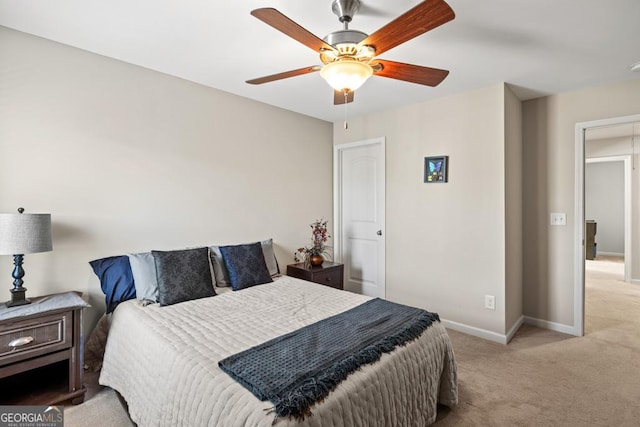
346,96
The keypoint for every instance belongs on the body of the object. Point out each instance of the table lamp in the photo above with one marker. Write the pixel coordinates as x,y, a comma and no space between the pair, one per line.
21,234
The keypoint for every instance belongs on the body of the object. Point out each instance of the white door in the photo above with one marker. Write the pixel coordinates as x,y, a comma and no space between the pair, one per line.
359,237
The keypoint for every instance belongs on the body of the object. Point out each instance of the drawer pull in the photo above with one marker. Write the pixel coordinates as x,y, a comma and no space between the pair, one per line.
328,279
19,342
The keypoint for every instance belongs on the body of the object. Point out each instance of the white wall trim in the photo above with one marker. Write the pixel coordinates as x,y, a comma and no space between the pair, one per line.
579,226
553,326
515,328
504,339
338,151
337,188
635,281
476,332
605,159
626,161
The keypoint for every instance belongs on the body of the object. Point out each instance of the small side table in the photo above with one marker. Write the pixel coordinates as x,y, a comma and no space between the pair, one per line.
45,332
328,274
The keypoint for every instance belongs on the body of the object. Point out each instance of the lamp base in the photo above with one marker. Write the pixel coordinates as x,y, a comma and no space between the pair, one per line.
18,297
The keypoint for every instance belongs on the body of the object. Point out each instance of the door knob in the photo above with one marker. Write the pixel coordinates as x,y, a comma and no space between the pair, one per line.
379,233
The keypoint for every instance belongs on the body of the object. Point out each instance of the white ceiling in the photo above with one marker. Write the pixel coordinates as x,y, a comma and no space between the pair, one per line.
540,46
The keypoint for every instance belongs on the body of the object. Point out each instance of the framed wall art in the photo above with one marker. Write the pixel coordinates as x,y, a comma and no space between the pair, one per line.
436,169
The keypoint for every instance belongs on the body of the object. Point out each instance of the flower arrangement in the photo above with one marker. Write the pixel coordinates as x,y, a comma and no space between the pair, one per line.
315,253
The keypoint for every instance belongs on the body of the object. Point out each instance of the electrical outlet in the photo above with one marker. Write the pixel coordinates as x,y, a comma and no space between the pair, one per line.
489,302
558,218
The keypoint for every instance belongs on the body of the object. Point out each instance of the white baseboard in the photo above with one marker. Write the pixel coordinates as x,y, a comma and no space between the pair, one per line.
635,281
610,254
476,332
504,339
515,328
553,326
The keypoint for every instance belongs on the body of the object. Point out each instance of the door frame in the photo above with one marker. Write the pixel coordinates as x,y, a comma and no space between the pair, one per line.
579,216
338,150
626,159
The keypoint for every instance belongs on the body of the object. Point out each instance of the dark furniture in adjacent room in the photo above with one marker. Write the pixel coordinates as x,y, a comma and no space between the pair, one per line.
591,245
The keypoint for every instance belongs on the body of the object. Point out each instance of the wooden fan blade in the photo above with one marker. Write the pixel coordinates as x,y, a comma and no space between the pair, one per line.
410,73
277,20
285,75
422,18
338,97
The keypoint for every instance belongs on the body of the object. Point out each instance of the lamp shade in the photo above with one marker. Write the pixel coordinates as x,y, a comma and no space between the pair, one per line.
23,233
346,74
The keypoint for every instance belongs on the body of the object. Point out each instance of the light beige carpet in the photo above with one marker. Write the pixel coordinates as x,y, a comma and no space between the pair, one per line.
103,409
545,378
542,378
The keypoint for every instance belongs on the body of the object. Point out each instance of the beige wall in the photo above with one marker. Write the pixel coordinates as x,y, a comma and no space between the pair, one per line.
127,159
513,205
549,172
445,243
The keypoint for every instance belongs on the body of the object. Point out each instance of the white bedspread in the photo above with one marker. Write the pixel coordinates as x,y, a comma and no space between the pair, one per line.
164,362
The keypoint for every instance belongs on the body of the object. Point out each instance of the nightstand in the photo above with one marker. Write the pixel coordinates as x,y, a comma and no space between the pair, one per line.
329,273
42,334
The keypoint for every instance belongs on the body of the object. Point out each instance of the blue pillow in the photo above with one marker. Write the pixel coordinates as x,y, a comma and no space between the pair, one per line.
116,279
246,265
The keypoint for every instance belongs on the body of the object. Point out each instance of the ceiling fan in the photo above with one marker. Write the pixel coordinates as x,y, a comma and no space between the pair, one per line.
349,57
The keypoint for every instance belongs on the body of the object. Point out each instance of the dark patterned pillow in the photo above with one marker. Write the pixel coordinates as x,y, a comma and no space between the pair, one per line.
183,275
246,265
220,270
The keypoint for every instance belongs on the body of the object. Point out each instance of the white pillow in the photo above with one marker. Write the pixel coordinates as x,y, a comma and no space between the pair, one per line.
220,271
143,268
270,257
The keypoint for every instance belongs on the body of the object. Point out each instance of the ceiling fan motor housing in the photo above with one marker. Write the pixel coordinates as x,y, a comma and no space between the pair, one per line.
346,41
344,37
346,47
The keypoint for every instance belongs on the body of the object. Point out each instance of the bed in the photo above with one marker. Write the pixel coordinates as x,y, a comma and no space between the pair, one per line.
164,361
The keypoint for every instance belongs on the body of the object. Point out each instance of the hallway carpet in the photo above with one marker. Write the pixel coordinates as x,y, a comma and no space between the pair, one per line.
545,378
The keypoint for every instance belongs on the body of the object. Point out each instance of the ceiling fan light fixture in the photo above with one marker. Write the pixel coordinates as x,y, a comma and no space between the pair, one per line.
350,56
346,75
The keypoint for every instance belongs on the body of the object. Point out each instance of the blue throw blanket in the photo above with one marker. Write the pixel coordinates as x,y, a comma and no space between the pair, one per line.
302,367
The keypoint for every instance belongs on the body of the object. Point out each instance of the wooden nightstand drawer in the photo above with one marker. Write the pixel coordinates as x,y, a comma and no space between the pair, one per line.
44,334
331,278
28,338
328,274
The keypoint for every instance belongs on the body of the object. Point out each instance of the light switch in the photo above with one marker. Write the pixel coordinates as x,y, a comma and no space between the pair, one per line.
558,218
